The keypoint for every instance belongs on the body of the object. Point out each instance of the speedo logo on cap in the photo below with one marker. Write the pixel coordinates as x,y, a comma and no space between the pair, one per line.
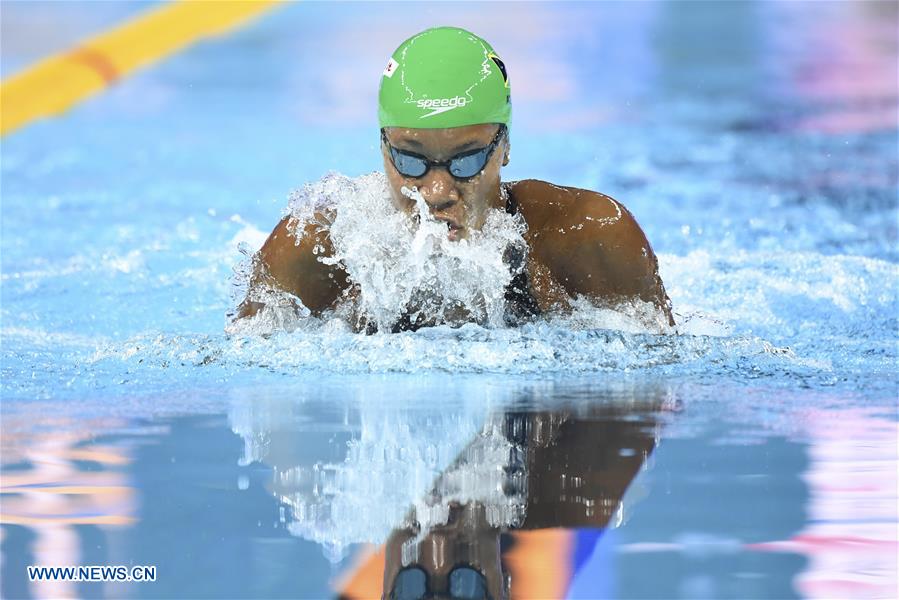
441,105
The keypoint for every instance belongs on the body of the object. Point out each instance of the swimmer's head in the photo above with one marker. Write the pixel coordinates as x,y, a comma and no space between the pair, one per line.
458,560
444,77
444,108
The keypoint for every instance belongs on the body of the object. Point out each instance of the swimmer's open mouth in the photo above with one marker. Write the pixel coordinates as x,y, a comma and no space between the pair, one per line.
455,231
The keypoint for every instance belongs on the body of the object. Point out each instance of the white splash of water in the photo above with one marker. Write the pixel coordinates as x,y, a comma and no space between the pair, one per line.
479,477
403,265
393,462
634,316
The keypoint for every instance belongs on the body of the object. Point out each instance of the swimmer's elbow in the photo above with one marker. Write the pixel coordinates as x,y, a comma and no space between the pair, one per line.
651,289
629,266
654,293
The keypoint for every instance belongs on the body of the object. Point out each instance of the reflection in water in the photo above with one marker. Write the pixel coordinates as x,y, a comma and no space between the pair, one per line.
467,499
694,54
851,76
562,469
344,489
58,482
850,537
763,75
523,483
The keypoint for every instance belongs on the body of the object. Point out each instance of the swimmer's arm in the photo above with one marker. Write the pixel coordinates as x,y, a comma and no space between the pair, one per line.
608,256
293,267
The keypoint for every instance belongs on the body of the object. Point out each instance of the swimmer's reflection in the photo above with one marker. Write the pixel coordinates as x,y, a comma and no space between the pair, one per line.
458,560
563,470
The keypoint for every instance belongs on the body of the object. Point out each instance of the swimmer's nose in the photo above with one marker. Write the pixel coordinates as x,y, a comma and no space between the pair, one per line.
440,191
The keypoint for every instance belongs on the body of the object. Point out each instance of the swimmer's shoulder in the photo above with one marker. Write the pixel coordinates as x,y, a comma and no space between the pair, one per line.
547,205
588,242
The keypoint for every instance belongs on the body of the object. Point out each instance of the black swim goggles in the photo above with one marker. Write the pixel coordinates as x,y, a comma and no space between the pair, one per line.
462,166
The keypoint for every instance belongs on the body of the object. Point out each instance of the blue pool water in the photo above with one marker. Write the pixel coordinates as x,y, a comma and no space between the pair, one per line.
756,144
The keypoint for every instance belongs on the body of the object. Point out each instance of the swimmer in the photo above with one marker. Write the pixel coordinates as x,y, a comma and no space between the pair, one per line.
444,110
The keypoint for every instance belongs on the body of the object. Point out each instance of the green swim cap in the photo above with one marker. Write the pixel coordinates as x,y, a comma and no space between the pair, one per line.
444,77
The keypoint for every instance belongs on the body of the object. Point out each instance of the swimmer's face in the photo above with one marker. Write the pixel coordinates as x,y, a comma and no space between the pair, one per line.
466,540
463,204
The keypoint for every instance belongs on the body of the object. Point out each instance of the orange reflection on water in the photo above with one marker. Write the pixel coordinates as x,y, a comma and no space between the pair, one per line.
47,488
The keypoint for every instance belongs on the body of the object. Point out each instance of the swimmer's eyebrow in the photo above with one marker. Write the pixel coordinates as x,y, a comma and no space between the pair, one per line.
467,146
416,145
412,144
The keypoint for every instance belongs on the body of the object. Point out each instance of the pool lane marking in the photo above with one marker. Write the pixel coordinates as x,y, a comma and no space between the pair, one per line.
96,61
57,83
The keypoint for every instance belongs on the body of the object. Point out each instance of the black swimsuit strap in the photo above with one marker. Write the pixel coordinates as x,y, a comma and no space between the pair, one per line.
520,304
511,204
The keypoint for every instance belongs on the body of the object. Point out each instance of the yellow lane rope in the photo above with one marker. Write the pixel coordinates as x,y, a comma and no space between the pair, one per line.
57,83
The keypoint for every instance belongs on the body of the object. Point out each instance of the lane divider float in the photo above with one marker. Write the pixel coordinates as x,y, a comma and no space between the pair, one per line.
59,82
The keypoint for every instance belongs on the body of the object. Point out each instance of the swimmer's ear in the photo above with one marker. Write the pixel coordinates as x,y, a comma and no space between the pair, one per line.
506,153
